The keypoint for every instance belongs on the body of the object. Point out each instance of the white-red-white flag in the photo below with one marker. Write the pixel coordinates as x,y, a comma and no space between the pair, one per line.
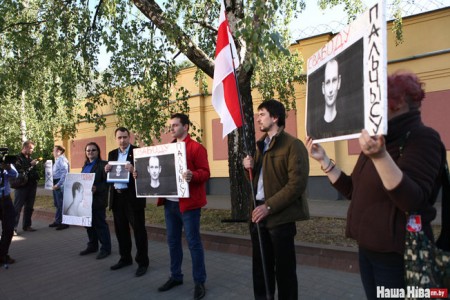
225,98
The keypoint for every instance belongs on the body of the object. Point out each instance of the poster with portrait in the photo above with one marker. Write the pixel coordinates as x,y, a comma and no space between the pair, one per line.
160,171
118,172
77,199
48,166
347,81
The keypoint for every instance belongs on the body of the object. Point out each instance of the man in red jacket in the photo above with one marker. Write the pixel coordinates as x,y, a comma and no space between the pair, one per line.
185,212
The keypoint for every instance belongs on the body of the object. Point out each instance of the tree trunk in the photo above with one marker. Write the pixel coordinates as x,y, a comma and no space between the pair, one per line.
240,143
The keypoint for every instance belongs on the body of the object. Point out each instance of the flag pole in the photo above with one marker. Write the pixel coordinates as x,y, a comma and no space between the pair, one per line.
250,181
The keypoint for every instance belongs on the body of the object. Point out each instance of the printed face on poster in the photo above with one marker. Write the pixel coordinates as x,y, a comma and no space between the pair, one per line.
77,199
347,81
118,172
48,175
160,171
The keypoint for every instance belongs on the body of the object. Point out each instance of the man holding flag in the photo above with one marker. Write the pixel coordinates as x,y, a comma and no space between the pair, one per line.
281,169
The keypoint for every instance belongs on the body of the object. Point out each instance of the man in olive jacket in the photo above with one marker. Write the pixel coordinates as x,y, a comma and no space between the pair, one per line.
281,169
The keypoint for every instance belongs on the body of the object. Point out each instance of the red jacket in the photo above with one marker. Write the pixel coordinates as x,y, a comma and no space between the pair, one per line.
197,162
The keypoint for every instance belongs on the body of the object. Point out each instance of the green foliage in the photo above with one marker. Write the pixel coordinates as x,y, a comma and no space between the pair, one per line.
43,62
279,77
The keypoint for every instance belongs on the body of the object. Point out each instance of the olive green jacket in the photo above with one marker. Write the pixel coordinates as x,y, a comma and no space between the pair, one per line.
285,173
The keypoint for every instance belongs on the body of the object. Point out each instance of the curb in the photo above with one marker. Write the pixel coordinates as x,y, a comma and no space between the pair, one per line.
315,255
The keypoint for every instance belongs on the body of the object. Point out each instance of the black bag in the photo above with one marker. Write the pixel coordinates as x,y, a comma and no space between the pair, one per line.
427,265
20,181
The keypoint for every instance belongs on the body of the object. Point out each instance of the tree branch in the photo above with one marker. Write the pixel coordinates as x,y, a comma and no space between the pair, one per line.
184,43
97,11
22,24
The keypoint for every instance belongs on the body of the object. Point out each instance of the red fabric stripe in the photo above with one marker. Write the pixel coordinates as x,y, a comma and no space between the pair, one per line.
222,37
232,99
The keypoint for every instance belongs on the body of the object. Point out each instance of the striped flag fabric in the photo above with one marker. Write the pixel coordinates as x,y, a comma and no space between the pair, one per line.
225,98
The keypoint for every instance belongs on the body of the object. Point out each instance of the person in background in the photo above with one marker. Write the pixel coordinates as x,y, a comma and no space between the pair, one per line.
99,231
25,196
127,208
7,212
395,175
60,170
281,169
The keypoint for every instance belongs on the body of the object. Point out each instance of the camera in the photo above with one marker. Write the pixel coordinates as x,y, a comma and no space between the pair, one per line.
5,158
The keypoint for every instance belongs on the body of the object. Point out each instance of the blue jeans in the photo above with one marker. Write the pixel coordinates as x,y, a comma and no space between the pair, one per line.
381,269
58,202
175,221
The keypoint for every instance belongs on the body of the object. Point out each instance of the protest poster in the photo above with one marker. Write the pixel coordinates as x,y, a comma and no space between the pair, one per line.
48,166
160,171
347,81
118,172
77,200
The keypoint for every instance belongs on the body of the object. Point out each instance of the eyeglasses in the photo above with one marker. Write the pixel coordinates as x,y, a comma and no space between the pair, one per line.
91,150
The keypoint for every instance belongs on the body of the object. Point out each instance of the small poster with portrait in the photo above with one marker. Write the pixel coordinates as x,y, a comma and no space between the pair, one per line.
160,171
347,81
118,172
48,185
77,199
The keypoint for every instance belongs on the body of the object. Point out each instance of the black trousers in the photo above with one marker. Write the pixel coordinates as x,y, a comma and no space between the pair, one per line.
7,216
279,252
124,216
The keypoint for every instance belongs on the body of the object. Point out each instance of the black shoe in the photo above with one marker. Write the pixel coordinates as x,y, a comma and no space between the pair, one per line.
29,228
141,271
53,225
88,251
170,284
7,260
102,254
199,291
120,265
62,227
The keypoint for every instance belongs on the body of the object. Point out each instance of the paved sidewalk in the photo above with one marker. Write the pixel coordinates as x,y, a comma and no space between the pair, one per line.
48,267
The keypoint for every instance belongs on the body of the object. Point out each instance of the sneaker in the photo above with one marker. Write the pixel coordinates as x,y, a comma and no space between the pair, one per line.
15,232
170,284
199,291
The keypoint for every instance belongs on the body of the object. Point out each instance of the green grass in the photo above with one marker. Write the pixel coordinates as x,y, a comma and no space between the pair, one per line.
317,230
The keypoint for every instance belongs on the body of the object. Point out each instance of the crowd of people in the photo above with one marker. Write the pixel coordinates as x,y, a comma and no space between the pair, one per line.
395,176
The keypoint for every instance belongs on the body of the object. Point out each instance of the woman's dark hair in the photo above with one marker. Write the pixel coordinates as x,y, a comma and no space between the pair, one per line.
276,110
405,87
76,187
98,150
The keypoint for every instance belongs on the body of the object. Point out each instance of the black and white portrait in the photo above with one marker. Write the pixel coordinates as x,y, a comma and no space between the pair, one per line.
336,96
347,81
77,199
118,172
159,171
156,175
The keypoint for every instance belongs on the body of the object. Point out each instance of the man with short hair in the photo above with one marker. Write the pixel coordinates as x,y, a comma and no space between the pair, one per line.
127,208
280,168
186,212
60,170
25,196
